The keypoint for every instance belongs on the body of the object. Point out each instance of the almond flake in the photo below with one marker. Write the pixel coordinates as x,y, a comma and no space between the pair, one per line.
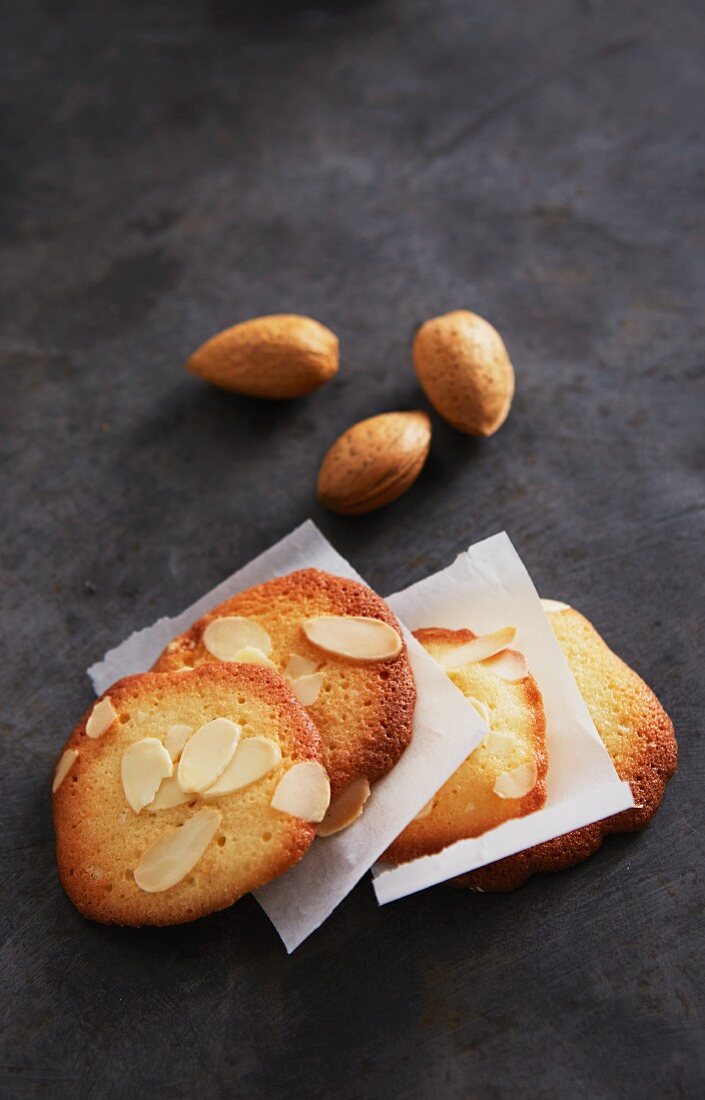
425,810
516,783
298,666
176,852
168,795
346,808
501,743
509,665
68,759
303,791
142,768
101,718
352,636
250,655
254,758
207,754
308,688
227,637
479,649
554,605
176,737
482,709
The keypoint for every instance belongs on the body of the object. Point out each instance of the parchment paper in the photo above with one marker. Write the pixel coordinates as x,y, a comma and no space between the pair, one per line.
484,589
446,729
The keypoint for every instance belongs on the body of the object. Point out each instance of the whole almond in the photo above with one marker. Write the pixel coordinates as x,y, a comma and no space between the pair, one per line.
278,356
374,462
465,372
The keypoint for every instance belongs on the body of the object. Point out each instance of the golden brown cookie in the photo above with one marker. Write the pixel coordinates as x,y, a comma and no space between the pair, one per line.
162,796
637,733
363,708
505,776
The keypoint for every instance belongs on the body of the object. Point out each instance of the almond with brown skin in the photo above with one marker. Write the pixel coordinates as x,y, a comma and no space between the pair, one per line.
374,462
465,372
282,355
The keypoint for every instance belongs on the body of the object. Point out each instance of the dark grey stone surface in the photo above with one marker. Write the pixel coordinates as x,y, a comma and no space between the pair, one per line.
174,167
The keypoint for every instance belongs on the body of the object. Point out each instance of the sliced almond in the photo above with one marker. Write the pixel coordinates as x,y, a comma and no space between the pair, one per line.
67,761
298,666
207,754
250,655
353,636
168,795
479,649
516,783
303,791
308,688
501,743
228,636
142,768
425,810
176,737
509,665
176,852
101,718
254,758
345,809
554,605
482,709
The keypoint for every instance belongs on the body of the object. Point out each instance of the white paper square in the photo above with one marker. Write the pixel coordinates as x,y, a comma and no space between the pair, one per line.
446,729
484,589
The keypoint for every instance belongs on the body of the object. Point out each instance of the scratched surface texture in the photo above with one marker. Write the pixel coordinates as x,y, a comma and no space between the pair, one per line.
173,167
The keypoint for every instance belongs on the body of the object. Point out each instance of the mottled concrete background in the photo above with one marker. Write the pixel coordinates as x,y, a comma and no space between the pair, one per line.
173,167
